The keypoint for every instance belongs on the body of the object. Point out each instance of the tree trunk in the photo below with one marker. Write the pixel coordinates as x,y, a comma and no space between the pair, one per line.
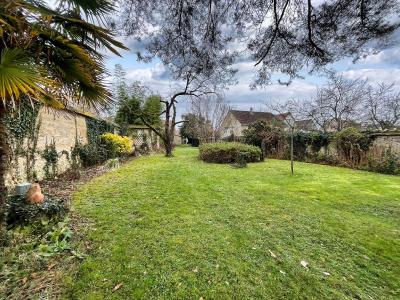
291,151
168,149
4,163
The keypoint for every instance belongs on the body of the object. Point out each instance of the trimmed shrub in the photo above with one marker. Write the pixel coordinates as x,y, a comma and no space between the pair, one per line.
116,145
228,152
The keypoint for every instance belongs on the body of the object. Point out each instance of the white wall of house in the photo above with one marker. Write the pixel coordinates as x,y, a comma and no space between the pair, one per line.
232,126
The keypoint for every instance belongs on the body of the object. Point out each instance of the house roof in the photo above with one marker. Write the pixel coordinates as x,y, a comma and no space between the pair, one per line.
249,117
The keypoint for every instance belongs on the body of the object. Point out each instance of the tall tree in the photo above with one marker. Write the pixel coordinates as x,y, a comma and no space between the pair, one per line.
382,106
213,109
152,110
198,63
337,104
51,56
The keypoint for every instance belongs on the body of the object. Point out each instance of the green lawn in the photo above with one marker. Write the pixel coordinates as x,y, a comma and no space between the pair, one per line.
178,228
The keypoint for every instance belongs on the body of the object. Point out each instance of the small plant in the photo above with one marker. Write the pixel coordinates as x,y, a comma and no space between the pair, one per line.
91,154
112,163
228,152
50,156
389,163
18,211
56,241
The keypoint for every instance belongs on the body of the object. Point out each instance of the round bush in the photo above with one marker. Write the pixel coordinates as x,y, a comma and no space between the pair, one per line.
224,153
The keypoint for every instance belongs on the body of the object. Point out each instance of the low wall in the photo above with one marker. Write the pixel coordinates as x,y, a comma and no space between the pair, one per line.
384,141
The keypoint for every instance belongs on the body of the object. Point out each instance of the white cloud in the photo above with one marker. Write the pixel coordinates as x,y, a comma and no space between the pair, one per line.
388,56
374,76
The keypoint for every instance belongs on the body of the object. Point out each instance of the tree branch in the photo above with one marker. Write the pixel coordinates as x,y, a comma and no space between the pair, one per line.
183,121
310,39
277,23
152,128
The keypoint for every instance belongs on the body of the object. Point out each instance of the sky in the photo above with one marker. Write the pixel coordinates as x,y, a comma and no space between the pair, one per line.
381,67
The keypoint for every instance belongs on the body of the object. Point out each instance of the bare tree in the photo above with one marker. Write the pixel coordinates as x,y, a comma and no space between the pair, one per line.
290,115
213,110
337,104
382,106
198,86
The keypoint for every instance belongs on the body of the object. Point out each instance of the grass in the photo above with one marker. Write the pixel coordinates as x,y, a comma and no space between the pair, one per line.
179,228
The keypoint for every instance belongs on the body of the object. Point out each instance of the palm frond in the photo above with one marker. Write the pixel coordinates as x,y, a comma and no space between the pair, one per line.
18,75
90,34
91,8
61,51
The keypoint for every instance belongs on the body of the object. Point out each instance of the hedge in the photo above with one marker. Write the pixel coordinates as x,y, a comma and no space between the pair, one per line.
228,152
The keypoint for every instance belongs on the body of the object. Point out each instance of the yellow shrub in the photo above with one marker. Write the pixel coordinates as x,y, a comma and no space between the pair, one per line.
116,145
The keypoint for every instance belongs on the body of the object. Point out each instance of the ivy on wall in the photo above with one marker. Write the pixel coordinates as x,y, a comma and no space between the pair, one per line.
50,156
95,128
23,127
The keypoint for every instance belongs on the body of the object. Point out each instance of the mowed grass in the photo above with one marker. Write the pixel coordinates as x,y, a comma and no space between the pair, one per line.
178,228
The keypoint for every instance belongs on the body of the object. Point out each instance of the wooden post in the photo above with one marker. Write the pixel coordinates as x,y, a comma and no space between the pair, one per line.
291,150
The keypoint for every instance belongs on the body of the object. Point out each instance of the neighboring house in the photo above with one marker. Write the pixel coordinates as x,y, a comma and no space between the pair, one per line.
306,125
238,120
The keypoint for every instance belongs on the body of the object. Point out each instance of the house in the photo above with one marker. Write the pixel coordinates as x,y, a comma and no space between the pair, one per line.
307,125
238,120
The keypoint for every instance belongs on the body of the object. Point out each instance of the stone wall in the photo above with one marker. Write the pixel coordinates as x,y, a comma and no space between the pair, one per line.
387,141
142,134
61,126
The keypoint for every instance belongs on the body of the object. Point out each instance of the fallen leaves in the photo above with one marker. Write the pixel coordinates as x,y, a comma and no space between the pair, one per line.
272,253
117,287
304,264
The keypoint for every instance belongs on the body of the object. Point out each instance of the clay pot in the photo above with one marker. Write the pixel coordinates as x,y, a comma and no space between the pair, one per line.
34,194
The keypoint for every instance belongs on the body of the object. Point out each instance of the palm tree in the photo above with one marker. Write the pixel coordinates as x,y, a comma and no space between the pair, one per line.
51,56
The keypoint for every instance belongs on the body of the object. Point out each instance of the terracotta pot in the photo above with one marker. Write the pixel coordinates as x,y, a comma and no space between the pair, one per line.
34,194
